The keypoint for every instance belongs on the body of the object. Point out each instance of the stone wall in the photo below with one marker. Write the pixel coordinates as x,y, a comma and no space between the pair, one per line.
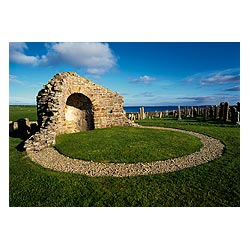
69,103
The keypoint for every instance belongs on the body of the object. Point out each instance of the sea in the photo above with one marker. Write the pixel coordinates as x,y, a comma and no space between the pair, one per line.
130,109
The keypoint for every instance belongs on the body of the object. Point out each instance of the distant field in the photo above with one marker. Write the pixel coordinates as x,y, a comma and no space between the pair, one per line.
22,111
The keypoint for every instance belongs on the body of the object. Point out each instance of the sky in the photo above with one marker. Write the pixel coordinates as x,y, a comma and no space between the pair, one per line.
144,73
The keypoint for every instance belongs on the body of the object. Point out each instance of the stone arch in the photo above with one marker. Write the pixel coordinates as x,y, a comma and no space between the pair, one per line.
79,113
69,103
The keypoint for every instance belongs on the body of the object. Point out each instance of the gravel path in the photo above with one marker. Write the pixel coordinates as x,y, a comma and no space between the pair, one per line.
51,158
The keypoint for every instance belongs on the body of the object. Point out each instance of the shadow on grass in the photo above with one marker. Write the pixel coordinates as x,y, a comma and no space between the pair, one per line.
22,131
24,137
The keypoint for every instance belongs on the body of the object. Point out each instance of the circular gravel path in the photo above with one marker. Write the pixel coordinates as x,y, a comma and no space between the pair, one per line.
51,158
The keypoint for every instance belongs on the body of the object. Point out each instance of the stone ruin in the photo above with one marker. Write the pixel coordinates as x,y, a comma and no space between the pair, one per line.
69,103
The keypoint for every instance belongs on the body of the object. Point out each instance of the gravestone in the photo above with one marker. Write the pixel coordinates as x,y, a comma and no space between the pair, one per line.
221,111
216,112
233,114
211,112
11,127
204,114
185,111
237,117
142,113
195,113
179,112
192,112
226,111
238,106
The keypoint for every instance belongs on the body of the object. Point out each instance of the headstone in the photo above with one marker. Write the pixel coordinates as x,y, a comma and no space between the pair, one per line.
205,114
216,112
195,113
237,117
192,112
185,111
198,111
221,112
142,113
179,112
233,115
226,111
11,127
15,126
201,111
238,106
211,112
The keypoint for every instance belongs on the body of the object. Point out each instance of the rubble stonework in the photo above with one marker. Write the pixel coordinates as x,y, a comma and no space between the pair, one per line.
69,103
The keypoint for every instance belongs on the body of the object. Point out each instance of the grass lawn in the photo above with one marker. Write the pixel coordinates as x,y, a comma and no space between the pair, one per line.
126,144
17,112
216,183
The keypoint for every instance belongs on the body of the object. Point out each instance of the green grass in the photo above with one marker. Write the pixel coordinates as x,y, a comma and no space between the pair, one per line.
216,183
126,144
21,111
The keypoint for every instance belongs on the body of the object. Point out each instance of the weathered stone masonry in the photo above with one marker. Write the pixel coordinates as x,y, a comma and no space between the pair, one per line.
69,103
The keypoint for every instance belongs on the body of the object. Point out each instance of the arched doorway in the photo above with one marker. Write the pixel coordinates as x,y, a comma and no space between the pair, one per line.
79,113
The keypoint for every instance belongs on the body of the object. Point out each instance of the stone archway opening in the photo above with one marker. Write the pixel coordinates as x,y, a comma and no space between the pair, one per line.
79,113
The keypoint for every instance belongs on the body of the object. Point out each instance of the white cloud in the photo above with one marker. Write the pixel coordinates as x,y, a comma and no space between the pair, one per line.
235,88
227,76
222,77
14,79
95,58
200,99
148,94
17,54
192,78
208,100
143,79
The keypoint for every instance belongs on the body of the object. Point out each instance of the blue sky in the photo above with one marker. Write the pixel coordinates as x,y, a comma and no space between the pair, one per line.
145,74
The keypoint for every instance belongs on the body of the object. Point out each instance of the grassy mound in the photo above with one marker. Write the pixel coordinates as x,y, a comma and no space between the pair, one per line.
126,144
